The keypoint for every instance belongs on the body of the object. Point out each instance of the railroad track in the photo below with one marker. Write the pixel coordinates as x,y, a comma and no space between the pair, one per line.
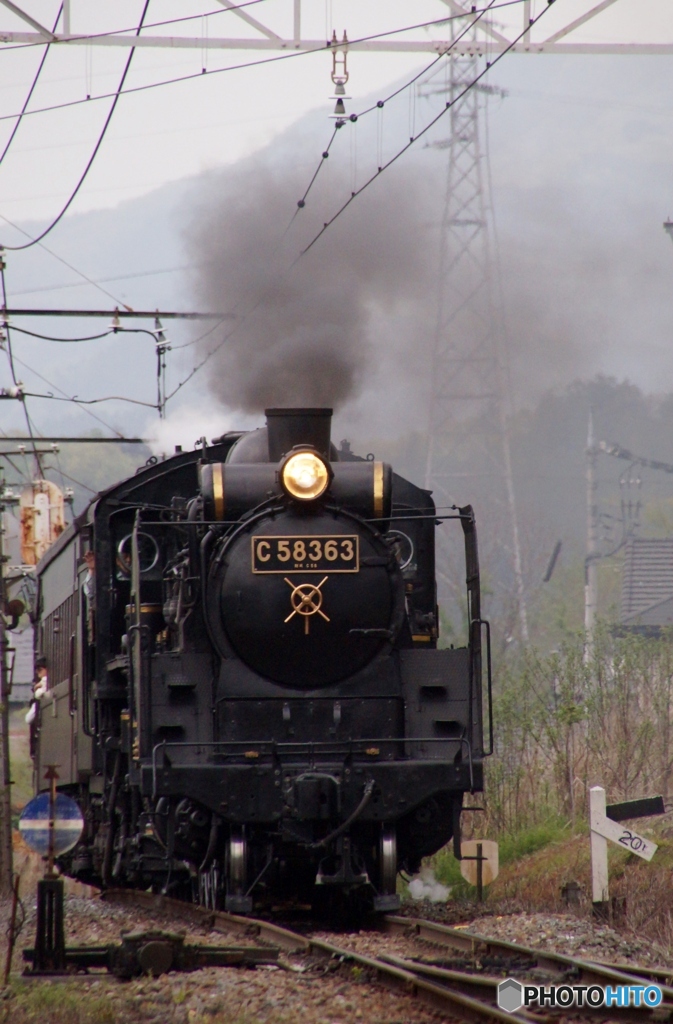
557,967
469,995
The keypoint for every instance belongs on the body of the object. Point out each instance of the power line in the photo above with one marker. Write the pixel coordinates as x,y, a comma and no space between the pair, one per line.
63,341
64,262
161,348
422,132
116,96
302,202
79,184
79,440
79,483
139,314
380,104
90,337
91,401
354,195
10,357
150,24
19,472
118,277
30,91
327,48
50,384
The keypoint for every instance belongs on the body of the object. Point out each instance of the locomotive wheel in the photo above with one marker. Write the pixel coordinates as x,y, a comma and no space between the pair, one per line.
237,857
237,862
387,860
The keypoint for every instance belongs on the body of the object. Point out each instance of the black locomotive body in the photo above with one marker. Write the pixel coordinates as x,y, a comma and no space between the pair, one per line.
246,696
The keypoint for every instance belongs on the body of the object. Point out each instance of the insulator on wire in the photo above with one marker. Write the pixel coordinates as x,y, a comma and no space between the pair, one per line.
339,74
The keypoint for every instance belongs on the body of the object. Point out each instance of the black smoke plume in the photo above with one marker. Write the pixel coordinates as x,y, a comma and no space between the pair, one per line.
303,333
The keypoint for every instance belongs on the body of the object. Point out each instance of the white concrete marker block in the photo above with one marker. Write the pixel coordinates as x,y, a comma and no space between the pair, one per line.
599,847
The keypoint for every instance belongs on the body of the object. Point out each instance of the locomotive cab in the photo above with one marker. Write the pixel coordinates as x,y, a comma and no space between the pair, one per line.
255,683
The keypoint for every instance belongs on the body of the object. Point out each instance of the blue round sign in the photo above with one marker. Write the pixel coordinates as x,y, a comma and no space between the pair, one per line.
68,824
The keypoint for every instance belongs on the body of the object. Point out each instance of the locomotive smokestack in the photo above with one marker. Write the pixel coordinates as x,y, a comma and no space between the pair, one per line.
289,427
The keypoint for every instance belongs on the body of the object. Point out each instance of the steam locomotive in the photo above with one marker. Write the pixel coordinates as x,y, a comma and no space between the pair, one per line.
246,696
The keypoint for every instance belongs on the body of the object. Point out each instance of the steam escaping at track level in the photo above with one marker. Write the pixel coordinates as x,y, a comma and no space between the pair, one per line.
304,334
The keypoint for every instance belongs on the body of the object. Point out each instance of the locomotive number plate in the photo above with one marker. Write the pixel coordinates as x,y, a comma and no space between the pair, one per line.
305,554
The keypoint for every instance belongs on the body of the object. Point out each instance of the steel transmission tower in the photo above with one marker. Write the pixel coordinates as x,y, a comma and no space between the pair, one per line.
470,394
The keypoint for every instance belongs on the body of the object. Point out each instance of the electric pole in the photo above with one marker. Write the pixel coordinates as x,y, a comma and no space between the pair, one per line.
469,401
6,851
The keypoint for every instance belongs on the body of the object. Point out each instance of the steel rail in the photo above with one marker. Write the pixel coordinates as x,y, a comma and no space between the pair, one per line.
482,986
450,1001
470,996
487,987
654,973
216,920
588,971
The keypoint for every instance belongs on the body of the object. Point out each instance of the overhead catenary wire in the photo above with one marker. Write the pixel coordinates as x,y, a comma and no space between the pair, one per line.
91,401
209,355
414,138
19,472
62,341
302,202
149,24
105,280
10,357
50,384
119,91
31,90
85,277
380,104
26,476
88,337
60,470
80,483
327,48
73,194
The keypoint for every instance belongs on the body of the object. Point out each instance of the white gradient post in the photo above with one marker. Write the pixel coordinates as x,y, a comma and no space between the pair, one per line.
602,829
599,847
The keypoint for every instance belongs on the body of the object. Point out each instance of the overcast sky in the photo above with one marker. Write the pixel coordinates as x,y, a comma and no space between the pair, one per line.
175,131
603,132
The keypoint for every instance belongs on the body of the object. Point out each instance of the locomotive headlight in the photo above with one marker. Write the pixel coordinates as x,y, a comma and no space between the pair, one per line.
305,476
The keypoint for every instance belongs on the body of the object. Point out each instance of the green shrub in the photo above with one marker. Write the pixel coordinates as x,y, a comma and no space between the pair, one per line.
514,846
511,848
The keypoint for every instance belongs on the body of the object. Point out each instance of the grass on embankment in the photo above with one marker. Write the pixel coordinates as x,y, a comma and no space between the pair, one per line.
537,862
39,1002
21,764
511,850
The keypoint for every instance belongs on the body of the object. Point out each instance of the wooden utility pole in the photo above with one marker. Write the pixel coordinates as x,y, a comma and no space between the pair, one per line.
6,852
591,561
